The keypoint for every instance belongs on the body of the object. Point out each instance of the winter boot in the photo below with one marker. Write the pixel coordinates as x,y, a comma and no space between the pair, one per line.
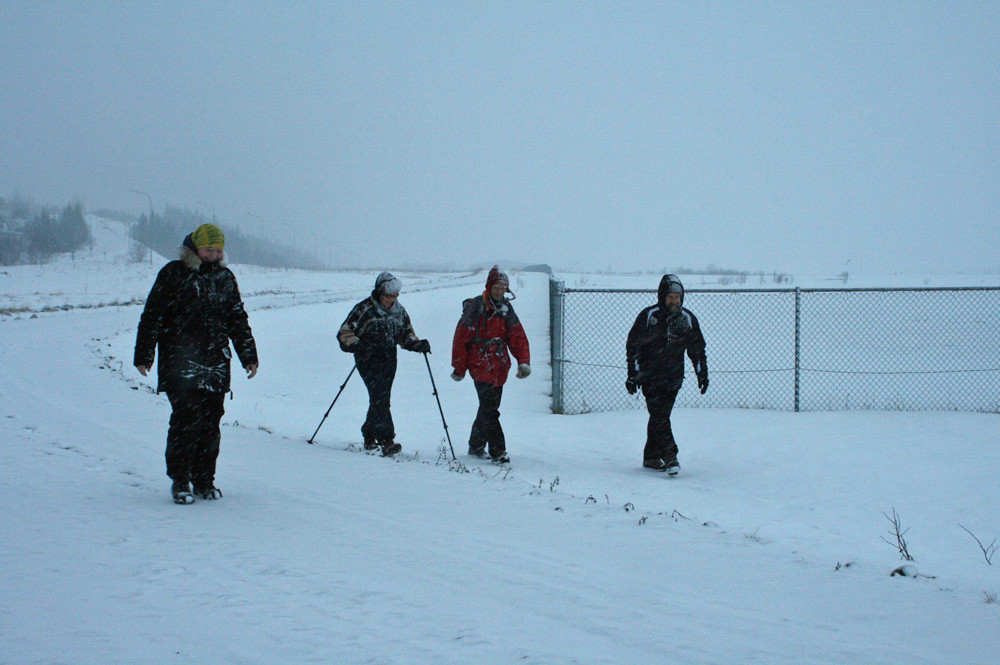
390,448
673,467
500,458
655,463
208,492
181,491
478,452
370,444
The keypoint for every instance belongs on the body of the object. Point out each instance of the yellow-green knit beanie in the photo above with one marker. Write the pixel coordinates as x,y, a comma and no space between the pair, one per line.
208,235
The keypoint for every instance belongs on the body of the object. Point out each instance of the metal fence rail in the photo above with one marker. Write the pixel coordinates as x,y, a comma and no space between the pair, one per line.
794,349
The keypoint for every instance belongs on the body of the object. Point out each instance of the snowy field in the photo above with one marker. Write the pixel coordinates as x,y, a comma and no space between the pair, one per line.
770,547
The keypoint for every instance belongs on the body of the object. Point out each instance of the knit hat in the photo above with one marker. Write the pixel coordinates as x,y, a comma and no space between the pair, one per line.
497,276
387,283
208,235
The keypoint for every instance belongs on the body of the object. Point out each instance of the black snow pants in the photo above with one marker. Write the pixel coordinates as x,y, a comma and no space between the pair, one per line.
378,375
193,436
660,398
486,429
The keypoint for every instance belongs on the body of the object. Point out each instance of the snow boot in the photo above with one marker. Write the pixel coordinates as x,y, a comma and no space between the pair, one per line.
370,444
478,452
390,448
655,463
500,458
181,491
673,467
208,492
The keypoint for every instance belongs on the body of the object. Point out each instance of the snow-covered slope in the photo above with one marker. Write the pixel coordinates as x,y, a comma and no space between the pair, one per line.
767,549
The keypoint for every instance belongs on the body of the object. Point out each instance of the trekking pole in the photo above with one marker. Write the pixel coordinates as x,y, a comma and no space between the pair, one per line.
332,403
434,386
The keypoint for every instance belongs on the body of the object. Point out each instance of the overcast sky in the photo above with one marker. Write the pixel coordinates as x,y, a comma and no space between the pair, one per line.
860,136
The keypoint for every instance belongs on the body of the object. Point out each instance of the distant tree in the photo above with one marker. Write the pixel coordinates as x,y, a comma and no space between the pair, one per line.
72,232
45,235
165,233
18,208
40,234
11,238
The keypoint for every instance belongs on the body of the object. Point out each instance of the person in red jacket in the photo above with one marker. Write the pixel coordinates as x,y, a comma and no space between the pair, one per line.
487,329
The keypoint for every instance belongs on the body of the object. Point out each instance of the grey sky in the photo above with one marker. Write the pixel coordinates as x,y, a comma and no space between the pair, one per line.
759,136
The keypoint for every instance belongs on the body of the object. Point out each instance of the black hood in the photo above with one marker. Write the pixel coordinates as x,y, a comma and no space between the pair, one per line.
669,284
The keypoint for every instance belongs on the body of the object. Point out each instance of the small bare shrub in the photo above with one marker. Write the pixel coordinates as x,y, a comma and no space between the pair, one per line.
897,533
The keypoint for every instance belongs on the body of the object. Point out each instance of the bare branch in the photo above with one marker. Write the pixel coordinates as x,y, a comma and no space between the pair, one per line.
898,532
988,550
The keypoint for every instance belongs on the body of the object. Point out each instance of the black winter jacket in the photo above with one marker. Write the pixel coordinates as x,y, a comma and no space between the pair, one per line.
372,333
659,338
193,310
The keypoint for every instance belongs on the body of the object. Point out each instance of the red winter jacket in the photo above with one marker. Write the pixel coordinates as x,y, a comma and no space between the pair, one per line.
482,337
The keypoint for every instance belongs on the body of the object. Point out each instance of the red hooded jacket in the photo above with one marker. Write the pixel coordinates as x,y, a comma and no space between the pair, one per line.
484,334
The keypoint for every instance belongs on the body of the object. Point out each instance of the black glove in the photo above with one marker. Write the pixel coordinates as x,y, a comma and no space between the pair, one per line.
631,385
703,383
422,346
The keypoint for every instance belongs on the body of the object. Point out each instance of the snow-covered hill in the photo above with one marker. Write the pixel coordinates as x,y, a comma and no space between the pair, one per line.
769,548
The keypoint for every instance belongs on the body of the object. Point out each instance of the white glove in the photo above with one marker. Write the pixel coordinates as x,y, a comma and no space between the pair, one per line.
457,376
523,370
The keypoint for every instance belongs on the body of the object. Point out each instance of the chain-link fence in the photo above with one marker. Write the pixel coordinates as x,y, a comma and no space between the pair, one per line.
793,349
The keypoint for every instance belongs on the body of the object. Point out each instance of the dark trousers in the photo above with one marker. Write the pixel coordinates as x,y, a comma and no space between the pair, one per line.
193,435
660,398
378,376
486,429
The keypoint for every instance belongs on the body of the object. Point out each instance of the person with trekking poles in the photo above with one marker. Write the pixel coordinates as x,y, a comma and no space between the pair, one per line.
654,353
192,313
371,331
486,330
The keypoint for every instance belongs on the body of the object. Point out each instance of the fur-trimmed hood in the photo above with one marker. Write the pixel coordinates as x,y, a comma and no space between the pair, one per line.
189,256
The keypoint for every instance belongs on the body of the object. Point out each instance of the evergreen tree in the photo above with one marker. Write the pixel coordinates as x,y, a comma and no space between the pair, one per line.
40,234
73,232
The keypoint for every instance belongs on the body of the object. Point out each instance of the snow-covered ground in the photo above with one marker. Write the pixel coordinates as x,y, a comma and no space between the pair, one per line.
768,548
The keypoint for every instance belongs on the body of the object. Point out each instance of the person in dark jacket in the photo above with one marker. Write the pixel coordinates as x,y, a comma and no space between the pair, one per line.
372,330
193,311
487,328
655,349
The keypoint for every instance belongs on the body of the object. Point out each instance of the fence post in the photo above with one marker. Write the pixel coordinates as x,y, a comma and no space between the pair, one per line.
798,293
557,295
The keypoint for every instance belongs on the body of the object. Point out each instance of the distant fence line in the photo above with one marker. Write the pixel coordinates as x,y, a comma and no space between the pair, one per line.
793,349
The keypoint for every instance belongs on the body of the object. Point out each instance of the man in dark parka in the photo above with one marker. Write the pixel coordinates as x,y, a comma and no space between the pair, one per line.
193,311
654,350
